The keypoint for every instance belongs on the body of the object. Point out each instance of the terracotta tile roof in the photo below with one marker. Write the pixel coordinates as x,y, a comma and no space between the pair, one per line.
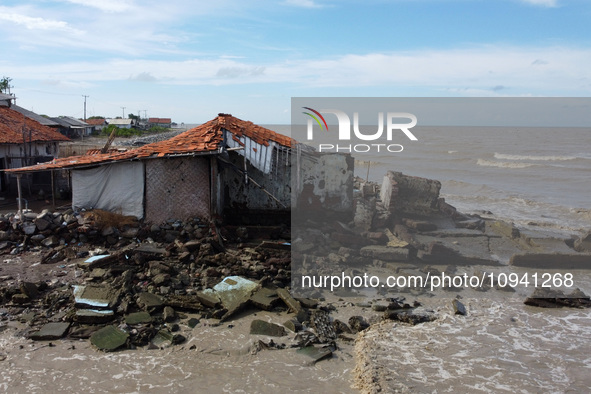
202,139
11,129
95,122
160,120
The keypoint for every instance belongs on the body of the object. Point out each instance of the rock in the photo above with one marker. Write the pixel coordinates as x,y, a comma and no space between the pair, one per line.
549,298
42,224
50,331
29,228
459,308
168,314
358,323
149,301
20,299
261,327
161,279
138,318
583,244
193,322
410,317
109,338
50,241
29,289
292,325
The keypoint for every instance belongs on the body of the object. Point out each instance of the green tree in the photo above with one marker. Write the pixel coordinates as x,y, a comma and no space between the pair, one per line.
5,84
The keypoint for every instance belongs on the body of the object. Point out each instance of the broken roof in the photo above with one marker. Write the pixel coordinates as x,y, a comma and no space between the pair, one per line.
11,129
204,139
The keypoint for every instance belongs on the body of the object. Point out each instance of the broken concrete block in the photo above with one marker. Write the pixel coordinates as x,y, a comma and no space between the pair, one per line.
261,327
386,253
264,298
51,331
95,296
149,301
293,325
93,316
162,339
291,302
409,194
138,318
315,353
552,260
234,293
109,338
503,228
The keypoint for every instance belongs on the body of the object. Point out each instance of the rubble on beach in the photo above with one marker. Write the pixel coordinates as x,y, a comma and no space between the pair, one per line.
123,284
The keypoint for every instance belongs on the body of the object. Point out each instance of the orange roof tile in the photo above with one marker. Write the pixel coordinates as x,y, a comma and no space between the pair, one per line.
11,129
203,139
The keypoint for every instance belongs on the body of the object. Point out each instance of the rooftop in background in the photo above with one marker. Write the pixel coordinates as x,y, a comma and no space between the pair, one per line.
160,120
203,139
11,129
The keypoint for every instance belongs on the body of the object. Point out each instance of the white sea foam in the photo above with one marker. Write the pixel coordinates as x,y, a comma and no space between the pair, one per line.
502,156
504,164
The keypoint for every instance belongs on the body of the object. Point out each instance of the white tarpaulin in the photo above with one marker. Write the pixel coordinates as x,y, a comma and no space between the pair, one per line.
117,188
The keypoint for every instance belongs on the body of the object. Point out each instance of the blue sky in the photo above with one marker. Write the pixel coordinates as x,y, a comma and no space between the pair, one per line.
189,60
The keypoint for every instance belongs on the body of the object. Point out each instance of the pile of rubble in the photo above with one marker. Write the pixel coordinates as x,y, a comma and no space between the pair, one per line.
134,284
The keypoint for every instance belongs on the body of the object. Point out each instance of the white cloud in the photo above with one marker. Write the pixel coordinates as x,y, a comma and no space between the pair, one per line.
303,3
484,68
106,5
543,3
33,23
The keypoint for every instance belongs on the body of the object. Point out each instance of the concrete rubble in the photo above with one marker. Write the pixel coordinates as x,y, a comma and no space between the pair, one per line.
134,284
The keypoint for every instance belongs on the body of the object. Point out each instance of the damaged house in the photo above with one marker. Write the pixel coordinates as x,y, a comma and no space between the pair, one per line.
226,166
24,142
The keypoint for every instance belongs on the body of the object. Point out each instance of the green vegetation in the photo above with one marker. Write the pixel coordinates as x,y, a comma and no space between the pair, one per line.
5,85
126,133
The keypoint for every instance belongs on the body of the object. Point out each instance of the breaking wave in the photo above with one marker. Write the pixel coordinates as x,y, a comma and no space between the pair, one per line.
503,164
502,156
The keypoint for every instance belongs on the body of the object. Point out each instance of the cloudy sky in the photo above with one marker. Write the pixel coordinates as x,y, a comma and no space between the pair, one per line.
189,60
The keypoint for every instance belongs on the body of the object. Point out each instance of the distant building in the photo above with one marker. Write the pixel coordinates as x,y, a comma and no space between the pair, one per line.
122,123
25,142
97,124
162,122
72,127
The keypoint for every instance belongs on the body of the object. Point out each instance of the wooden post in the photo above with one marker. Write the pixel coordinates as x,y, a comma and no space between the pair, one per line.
20,204
52,190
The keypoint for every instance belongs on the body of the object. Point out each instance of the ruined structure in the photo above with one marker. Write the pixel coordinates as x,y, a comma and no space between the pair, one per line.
225,167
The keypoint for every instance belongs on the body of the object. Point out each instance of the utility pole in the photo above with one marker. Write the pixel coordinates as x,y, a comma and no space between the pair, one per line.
85,106
123,108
